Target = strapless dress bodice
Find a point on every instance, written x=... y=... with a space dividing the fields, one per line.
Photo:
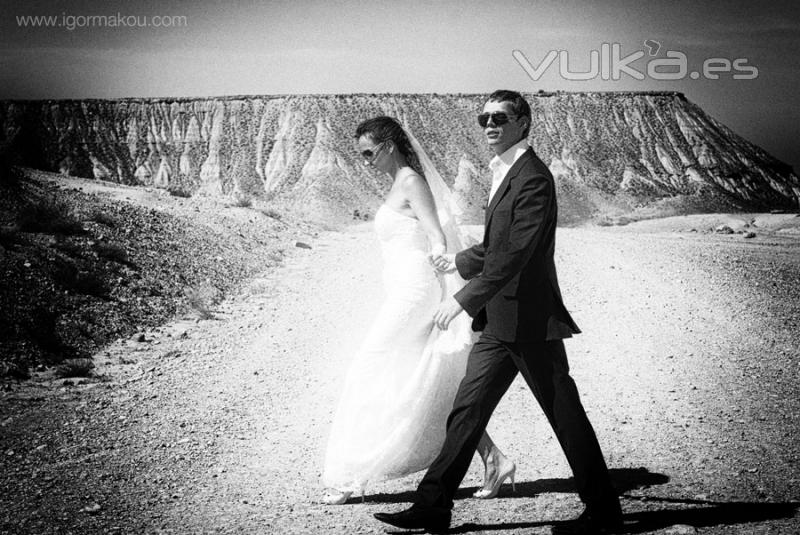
x=406 y=268
x=399 y=232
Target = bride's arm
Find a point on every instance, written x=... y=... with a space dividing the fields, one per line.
x=420 y=199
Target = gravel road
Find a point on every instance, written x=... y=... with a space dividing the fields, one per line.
x=688 y=368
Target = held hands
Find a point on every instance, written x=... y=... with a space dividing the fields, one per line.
x=448 y=309
x=443 y=263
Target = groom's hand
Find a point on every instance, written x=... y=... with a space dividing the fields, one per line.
x=448 y=309
x=443 y=263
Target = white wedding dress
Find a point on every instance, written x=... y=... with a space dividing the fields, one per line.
x=399 y=390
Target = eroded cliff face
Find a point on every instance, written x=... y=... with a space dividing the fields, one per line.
x=605 y=149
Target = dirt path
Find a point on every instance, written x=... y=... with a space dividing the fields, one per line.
x=688 y=367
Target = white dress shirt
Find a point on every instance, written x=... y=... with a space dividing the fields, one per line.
x=502 y=163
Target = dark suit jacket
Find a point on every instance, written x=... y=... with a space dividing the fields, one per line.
x=513 y=291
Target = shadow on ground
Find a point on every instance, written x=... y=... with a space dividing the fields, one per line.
x=696 y=513
x=625 y=480
x=712 y=514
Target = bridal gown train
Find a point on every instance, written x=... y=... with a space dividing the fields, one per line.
x=399 y=389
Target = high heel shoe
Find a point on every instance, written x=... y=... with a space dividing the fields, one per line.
x=505 y=473
x=338 y=497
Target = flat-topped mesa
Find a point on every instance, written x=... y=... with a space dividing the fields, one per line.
x=605 y=148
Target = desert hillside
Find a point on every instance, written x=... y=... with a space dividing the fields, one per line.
x=85 y=262
x=613 y=154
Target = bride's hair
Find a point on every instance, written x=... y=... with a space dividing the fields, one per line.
x=383 y=128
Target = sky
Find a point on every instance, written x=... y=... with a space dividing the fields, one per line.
x=745 y=55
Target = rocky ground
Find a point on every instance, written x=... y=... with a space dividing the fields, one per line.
x=83 y=262
x=688 y=367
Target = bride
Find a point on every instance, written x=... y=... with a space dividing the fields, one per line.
x=400 y=386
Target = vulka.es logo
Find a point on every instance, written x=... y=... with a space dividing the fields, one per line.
x=608 y=63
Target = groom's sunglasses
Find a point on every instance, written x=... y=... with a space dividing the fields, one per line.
x=498 y=118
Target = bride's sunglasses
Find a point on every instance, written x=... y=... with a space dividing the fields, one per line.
x=369 y=155
x=498 y=118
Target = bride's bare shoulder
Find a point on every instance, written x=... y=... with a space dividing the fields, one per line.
x=413 y=181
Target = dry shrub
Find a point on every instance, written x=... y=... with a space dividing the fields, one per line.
x=50 y=216
x=112 y=251
x=82 y=282
x=202 y=299
x=74 y=250
x=75 y=368
x=103 y=218
x=14 y=370
x=179 y=191
x=41 y=327
x=271 y=212
x=276 y=257
x=243 y=201
x=91 y=284
x=259 y=287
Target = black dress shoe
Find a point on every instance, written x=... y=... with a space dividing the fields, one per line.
x=431 y=519
x=592 y=522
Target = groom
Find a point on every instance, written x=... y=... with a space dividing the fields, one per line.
x=514 y=298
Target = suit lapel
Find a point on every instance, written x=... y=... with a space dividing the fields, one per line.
x=501 y=190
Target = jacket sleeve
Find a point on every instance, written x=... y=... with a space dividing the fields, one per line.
x=469 y=262
x=528 y=217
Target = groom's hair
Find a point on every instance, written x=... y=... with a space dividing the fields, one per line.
x=518 y=103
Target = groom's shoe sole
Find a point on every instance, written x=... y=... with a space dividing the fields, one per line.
x=431 y=519
x=587 y=524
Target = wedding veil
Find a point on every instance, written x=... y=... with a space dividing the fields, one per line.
x=459 y=334
x=446 y=206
